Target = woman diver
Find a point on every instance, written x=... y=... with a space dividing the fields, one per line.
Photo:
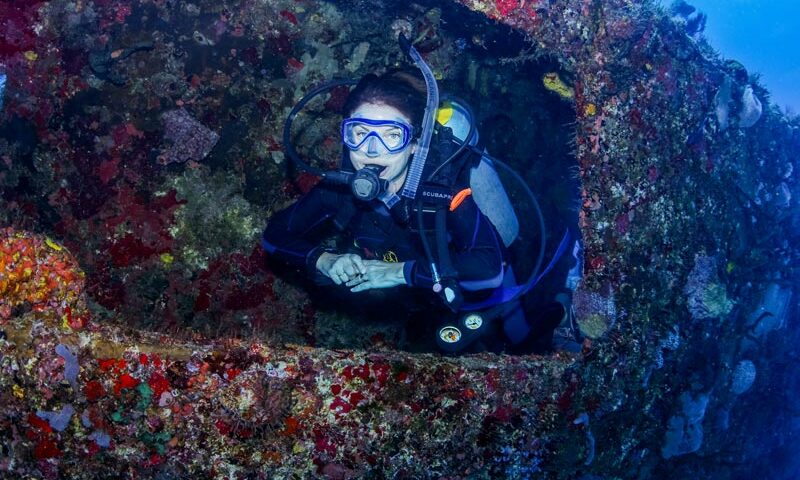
x=380 y=131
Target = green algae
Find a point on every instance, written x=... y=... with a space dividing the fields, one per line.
x=215 y=219
x=147 y=396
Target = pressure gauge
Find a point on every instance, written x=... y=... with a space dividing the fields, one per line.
x=450 y=334
x=473 y=321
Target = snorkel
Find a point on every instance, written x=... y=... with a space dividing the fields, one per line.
x=424 y=141
x=365 y=183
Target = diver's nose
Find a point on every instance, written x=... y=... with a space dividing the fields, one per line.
x=372 y=147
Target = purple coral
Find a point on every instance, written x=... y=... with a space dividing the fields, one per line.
x=59 y=420
x=101 y=438
x=188 y=139
x=71 y=367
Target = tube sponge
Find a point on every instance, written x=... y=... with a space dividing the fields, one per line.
x=71 y=367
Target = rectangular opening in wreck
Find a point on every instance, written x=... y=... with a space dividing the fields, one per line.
x=169 y=156
x=523 y=102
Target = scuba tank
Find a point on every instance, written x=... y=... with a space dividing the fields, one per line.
x=487 y=189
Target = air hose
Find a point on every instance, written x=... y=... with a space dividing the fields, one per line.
x=330 y=175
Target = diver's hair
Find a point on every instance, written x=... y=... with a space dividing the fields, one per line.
x=398 y=88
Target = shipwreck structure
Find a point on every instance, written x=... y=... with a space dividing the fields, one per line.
x=140 y=158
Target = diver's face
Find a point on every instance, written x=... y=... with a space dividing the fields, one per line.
x=374 y=153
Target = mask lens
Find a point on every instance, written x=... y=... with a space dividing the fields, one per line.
x=392 y=137
x=395 y=136
x=354 y=134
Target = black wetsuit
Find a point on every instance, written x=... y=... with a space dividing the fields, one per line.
x=295 y=236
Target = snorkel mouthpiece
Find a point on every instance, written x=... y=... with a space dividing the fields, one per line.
x=366 y=184
x=423 y=144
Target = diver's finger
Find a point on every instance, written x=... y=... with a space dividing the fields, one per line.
x=337 y=269
x=338 y=265
x=359 y=264
x=356 y=280
x=337 y=274
x=361 y=287
x=350 y=270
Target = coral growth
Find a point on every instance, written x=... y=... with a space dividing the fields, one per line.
x=213 y=219
x=743 y=377
x=188 y=139
x=685 y=430
x=705 y=294
x=596 y=313
x=39 y=273
x=159 y=405
x=553 y=83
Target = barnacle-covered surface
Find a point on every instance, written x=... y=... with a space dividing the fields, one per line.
x=80 y=394
x=689 y=217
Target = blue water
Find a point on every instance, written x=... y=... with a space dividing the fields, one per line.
x=763 y=36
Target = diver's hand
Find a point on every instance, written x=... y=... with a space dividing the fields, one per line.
x=341 y=268
x=378 y=275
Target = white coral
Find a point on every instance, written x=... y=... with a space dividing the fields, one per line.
x=751 y=108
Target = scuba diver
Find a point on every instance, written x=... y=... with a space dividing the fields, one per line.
x=398 y=198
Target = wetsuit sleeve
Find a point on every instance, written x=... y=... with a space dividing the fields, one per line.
x=293 y=235
x=474 y=248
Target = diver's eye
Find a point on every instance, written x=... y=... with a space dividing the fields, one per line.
x=394 y=136
x=360 y=134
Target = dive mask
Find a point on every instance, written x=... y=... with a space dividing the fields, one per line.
x=357 y=132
